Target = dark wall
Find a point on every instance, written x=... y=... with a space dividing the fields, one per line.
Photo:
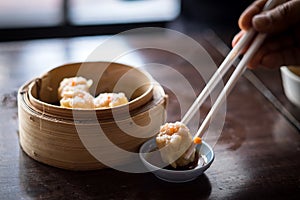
x=214 y=11
x=219 y=15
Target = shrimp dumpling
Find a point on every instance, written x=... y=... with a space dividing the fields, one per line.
x=74 y=83
x=173 y=141
x=77 y=99
x=74 y=93
x=106 y=100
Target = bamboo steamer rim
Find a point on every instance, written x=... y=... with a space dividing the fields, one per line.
x=134 y=105
x=159 y=98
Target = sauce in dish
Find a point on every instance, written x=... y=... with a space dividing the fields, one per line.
x=295 y=70
x=151 y=157
x=156 y=160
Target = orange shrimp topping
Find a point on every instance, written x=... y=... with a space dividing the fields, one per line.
x=73 y=83
x=169 y=129
x=173 y=129
x=108 y=100
x=197 y=140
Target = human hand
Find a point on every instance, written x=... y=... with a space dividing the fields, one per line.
x=282 y=24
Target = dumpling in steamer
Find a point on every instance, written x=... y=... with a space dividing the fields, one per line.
x=106 y=100
x=173 y=140
x=68 y=85
x=77 y=99
x=74 y=93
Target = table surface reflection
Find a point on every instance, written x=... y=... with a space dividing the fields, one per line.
x=257 y=153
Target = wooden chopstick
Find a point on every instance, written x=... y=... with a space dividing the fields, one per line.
x=232 y=80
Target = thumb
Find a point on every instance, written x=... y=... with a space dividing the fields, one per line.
x=279 y=18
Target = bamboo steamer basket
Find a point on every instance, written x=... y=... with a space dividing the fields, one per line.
x=53 y=135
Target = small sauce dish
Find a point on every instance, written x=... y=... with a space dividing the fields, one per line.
x=291 y=83
x=151 y=158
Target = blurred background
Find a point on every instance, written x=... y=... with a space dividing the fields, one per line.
x=33 y=19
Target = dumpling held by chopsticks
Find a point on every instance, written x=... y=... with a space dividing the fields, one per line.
x=173 y=141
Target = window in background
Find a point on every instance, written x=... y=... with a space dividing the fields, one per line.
x=83 y=12
x=30 y=13
x=32 y=19
x=43 y=13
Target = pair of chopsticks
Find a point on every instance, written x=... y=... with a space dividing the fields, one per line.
x=217 y=77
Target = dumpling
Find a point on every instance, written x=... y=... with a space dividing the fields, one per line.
x=74 y=93
x=77 y=99
x=106 y=100
x=74 y=83
x=173 y=140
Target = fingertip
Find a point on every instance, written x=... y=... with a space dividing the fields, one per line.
x=237 y=37
x=245 y=20
x=261 y=22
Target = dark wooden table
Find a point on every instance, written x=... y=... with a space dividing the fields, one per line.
x=257 y=154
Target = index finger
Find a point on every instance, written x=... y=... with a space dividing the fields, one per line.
x=245 y=20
